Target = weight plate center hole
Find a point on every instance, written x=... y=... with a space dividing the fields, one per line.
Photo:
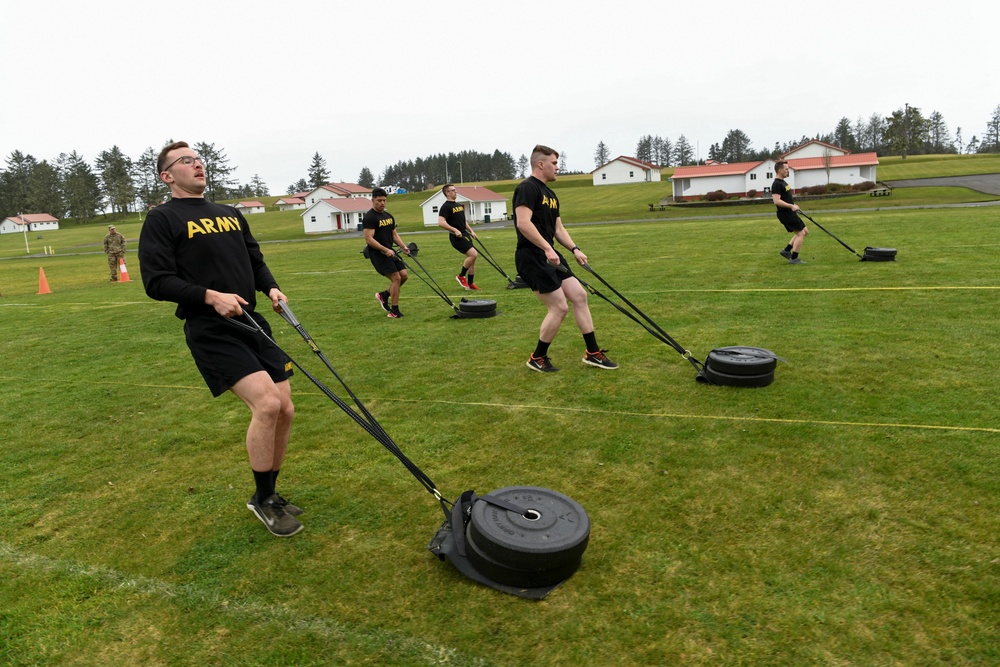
x=532 y=515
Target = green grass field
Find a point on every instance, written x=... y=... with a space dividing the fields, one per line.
x=845 y=515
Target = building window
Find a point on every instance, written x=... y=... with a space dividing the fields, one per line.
x=631 y=174
x=769 y=175
x=487 y=208
x=753 y=177
x=312 y=218
x=434 y=209
x=604 y=177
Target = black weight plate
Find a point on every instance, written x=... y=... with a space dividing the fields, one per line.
x=511 y=575
x=730 y=380
x=879 y=255
x=477 y=305
x=556 y=533
x=742 y=360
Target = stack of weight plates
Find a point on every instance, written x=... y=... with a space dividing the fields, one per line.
x=471 y=308
x=741 y=366
x=879 y=255
x=542 y=547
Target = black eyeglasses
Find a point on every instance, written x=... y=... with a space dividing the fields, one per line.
x=186 y=160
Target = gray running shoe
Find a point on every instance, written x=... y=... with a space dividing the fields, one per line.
x=795 y=260
x=787 y=254
x=541 y=364
x=294 y=510
x=274 y=516
x=600 y=360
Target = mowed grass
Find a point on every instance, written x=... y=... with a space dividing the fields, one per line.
x=844 y=515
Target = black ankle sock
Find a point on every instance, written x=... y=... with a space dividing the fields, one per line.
x=395 y=309
x=788 y=247
x=472 y=279
x=591 y=340
x=265 y=484
x=541 y=349
x=795 y=255
x=464 y=271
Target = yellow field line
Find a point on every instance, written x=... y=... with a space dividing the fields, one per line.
x=595 y=411
x=672 y=415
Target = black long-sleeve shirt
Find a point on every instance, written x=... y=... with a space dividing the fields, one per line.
x=188 y=246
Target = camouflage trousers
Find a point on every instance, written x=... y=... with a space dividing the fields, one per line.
x=113 y=262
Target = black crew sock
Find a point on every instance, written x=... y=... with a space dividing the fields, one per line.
x=541 y=349
x=795 y=255
x=464 y=271
x=472 y=279
x=591 y=340
x=274 y=479
x=395 y=309
x=788 y=248
x=265 y=484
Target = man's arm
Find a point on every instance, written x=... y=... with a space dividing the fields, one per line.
x=780 y=203
x=563 y=237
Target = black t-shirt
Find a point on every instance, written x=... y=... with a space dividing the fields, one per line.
x=454 y=214
x=780 y=188
x=383 y=223
x=544 y=206
x=190 y=245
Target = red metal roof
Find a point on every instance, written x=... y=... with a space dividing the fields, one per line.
x=30 y=218
x=347 y=188
x=478 y=193
x=701 y=170
x=291 y=200
x=809 y=143
x=642 y=164
x=849 y=160
x=250 y=204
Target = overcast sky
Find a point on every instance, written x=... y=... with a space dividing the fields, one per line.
x=371 y=83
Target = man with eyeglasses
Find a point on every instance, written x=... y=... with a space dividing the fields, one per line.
x=202 y=256
x=451 y=217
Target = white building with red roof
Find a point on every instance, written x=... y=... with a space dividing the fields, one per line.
x=250 y=207
x=335 y=214
x=289 y=203
x=812 y=163
x=481 y=204
x=28 y=222
x=625 y=169
x=336 y=191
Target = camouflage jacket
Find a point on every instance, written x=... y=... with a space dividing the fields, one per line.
x=114 y=244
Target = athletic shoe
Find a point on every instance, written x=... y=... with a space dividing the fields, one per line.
x=294 y=510
x=394 y=314
x=383 y=298
x=462 y=281
x=541 y=364
x=795 y=260
x=473 y=286
x=274 y=516
x=787 y=254
x=600 y=360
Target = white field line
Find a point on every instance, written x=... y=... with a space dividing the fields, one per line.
x=255 y=611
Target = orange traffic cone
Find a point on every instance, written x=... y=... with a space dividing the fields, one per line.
x=124 y=272
x=43 y=284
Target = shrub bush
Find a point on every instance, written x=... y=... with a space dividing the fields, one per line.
x=861 y=187
x=718 y=195
x=751 y=193
x=816 y=190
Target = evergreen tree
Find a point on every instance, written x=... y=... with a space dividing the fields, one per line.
x=149 y=189
x=601 y=155
x=45 y=190
x=522 y=166
x=991 y=140
x=318 y=175
x=218 y=173
x=683 y=152
x=365 y=178
x=81 y=188
x=298 y=186
x=116 y=179
x=257 y=187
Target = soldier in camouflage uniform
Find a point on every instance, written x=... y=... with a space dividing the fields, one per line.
x=114 y=247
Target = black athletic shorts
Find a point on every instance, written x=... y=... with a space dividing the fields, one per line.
x=791 y=221
x=537 y=273
x=226 y=353
x=385 y=265
x=460 y=243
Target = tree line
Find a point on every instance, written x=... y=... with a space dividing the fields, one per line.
x=427 y=172
x=905 y=131
x=71 y=188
